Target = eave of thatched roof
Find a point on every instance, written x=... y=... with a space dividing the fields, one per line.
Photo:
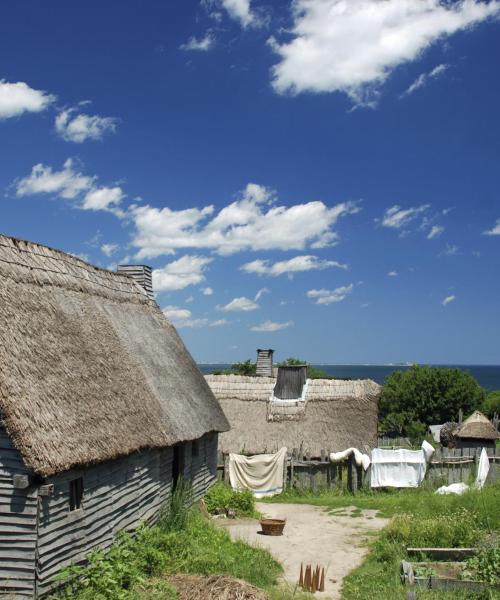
x=477 y=426
x=90 y=369
x=336 y=415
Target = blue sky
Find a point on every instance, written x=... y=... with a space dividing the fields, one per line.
x=316 y=176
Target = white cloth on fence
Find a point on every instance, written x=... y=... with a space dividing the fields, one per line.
x=428 y=450
x=262 y=474
x=483 y=468
x=360 y=458
x=399 y=468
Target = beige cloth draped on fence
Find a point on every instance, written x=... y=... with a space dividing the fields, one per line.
x=262 y=474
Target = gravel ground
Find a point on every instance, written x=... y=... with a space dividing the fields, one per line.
x=336 y=541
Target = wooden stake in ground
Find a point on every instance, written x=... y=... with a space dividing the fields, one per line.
x=322 y=580
x=307 y=578
x=301 y=578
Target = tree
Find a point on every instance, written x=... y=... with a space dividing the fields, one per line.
x=312 y=372
x=491 y=404
x=421 y=396
x=246 y=367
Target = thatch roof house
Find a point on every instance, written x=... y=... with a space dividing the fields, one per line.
x=311 y=415
x=102 y=408
x=476 y=431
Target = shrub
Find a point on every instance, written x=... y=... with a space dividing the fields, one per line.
x=424 y=396
x=491 y=403
x=222 y=497
x=485 y=566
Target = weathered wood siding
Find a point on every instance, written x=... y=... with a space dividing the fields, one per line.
x=200 y=467
x=18 y=510
x=41 y=535
x=117 y=495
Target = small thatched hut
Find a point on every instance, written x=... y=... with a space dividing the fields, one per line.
x=102 y=409
x=477 y=431
x=266 y=413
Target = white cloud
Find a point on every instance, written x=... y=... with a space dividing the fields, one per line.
x=70 y=184
x=422 y=80
x=208 y=291
x=240 y=304
x=353 y=46
x=203 y=44
x=270 y=326
x=397 y=217
x=174 y=313
x=292 y=265
x=260 y=293
x=103 y=198
x=80 y=127
x=189 y=300
x=67 y=183
x=450 y=250
x=18 y=98
x=392 y=274
x=447 y=300
x=180 y=273
x=109 y=249
x=239 y=10
x=330 y=296
x=436 y=231
x=183 y=318
x=252 y=222
x=495 y=230
x=218 y=323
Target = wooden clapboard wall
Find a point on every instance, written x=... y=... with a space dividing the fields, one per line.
x=117 y=495
x=18 y=510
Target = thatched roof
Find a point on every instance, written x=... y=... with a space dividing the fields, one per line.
x=333 y=415
x=90 y=369
x=477 y=426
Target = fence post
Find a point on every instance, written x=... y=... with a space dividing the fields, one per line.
x=351 y=475
x=226 y=468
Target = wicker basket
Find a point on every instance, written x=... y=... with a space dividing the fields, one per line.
x=272 y=526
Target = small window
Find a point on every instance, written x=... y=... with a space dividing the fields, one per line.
x=75 y=493
x=196 y=448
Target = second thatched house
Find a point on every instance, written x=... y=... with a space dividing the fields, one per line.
x=102 y=410
x=477 y=431
x=311 y=415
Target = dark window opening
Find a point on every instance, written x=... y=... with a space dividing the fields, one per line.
x=178 y=464
x=196 y=448
x=75 y=493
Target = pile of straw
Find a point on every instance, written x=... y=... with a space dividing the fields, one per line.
x=193 y=587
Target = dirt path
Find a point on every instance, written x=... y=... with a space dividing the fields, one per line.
x=313 y=536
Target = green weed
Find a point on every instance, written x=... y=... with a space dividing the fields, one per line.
x=222 y=497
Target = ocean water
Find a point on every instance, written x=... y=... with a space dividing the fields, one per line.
x=488 y=376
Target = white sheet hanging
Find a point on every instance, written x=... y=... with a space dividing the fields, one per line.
x=397 y=468
x=262 y=474
x=482 y=469
x=360 y=458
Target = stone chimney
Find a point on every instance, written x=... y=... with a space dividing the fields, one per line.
x=141 y=274
x=265 y=363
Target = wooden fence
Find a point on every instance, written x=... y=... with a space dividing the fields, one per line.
x=446 y=466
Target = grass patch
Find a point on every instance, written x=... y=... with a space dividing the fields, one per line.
x=123 y=573
x=420 y=501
